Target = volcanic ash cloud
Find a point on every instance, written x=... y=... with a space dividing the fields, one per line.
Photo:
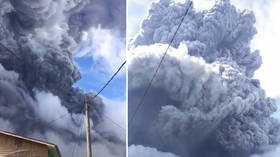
x=204 y=96
x=37 y=39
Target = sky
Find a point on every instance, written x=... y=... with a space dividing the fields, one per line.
x=266 y=40
x=99 y=55
x=94 y=32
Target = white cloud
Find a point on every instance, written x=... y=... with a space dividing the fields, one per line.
x=267 y=41
x=203 y=4
x=99 y=148
x=115 y=117
x=50 y=108
x=106 y=47
x=137 y=11
x=141 y=151
x=275 y=151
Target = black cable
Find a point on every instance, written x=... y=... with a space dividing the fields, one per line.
x=10 y=51
x=79 y=132
x=157 y=69
x=107 y=83
x=54 y=120
x=114 y=122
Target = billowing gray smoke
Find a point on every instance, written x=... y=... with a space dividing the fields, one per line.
x=37 y=39
x=204 y=101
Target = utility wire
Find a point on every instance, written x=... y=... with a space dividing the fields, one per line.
x=157 y=69
x=54 y=120
x=114 y=122
x=105 y=85
x=10 y=51
x=79 y=132
x=105 y=116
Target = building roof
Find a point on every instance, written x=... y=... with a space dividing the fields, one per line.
x=49 y=145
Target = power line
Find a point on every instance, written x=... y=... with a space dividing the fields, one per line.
x=157 y=69
x=114 y=122
x=79 y=132
x=54 y=120
x=105 y=116
x=107 y=83
x=10 y=51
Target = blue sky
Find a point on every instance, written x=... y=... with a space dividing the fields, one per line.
x=99 y=55
x=97 y=68
x=93 y=80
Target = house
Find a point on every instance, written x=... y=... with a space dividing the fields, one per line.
x=12 y=145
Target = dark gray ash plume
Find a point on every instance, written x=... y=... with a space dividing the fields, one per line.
x=37 y=39
x=204 y=100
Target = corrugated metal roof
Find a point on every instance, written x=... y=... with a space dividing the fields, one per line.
x=50 y=145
